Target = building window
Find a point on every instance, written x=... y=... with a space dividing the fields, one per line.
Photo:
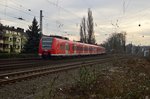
x=1 y=38
x=6 y=38
x=6 y=46
x=14 y=39
x=1 y=45
x=10 y=39
x=14 y=46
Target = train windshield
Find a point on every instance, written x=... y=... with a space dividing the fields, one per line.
x=47 y=42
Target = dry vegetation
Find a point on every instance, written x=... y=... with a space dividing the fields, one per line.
x=120 y=79
x=125 y=79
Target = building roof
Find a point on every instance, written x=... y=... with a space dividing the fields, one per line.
x=18 y=29
x=11 y=28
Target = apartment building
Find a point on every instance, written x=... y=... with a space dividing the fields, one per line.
x=12 y=39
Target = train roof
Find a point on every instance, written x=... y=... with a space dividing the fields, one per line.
x=65 y=38
x=56 y=36
x=80 y=43
x=60 y=37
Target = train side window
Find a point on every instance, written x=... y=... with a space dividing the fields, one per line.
x=85 y=48
x=74 y=47
x=62 y=47
x=81 y=48
x=78 y=48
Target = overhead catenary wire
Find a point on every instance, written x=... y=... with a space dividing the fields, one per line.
x=123 y=18
x=55 y=4
x=21 y=11
x=62 y=8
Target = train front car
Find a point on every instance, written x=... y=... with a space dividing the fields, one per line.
x=45 y=47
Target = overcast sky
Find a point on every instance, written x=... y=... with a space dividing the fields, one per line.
x=63 y=17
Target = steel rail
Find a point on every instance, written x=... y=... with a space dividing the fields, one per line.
x=18 y=60
x=30 y=64
x=23 y=75
x=21 y=65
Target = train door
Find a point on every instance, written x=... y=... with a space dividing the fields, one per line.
x=74 y=49
x=67 y=49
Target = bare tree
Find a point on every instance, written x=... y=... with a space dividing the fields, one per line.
x=116 y=42
x=87 y=29
x=81 y=35
x=90 y=28
x=84 y=29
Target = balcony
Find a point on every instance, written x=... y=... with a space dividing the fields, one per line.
x=17 y=36
x=17 y=50
x=8 y=42
x=7 y=35
x=16 y=43
x=6 y=50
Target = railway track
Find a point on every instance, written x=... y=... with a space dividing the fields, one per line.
x=22 y=64
x=16 y=65
x=12 y=60
x=27 y=74
x=18 y=61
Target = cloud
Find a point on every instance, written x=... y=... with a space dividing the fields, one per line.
x=70 y=12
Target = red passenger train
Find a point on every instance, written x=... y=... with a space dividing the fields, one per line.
x=51 y=46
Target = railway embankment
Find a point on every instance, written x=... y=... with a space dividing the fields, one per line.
x=20 y=84
x=121 y=78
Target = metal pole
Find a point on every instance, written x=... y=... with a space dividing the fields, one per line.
x=41 y=32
